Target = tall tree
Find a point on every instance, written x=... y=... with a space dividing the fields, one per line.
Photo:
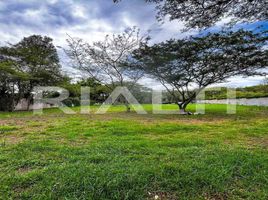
x=8 y=79
x=36 y=57
x=205 y=13
x=105 y=61
x=187 y=66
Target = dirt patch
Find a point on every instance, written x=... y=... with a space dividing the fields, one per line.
x=216 y=196
x=21 y=189
x=24 y=169
x=11 y=139
x=11 y=122
x=257 y=142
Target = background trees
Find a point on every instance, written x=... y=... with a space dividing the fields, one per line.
x=105 y=61
x=98 y=92
x=187 y=66
x=184 y=67
x=34 y=62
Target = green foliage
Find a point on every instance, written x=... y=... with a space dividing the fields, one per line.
x=201 y=61
x=73 y=88
x=72 y=101
x=31 y=62
x=38 y=57
x=204 y=14
x=7 y=69
x=246 y=92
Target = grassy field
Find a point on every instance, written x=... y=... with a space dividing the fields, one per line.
x=122 y=155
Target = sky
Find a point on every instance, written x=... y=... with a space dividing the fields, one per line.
x=90 y=20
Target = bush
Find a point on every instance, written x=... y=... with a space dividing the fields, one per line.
x=75 y=101
x=71 y=102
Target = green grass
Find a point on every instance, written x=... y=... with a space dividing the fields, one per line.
x=122 y=155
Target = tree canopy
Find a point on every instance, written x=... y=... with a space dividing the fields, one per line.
x=187 y=66
x=31 y=62
x=205 y=13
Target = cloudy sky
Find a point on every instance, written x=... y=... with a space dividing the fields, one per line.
x=87 y=19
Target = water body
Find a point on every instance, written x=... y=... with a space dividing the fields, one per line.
x=263 y=101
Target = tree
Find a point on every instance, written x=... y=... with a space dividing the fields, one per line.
x=38 y=57
x=32 y=62
x=98 y=92
x=8 y=79
x=265 y=81
x=142 y=93
x=105 y=61
x=205 y=13
x=187 y=66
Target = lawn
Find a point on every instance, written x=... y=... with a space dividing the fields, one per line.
x=121 y=155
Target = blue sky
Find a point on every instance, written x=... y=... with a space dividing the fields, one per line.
x=90 y=20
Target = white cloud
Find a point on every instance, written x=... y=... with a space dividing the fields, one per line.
x=241 y=82
x=79 y=11
x=89 y=20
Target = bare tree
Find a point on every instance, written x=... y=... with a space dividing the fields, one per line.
x=106 y=61
x=185 y=67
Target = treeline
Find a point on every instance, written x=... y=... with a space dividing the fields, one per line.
x=184 y=67
x=242 y=92
x=99 y=93
x=34 y=61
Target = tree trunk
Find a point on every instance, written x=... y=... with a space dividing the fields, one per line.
x=127 y=107
x=28 y=103
x=126 y=104
x=28 y=98
x=123 y=100
x=12 y=98
x=182 y=111
x=182 y=107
